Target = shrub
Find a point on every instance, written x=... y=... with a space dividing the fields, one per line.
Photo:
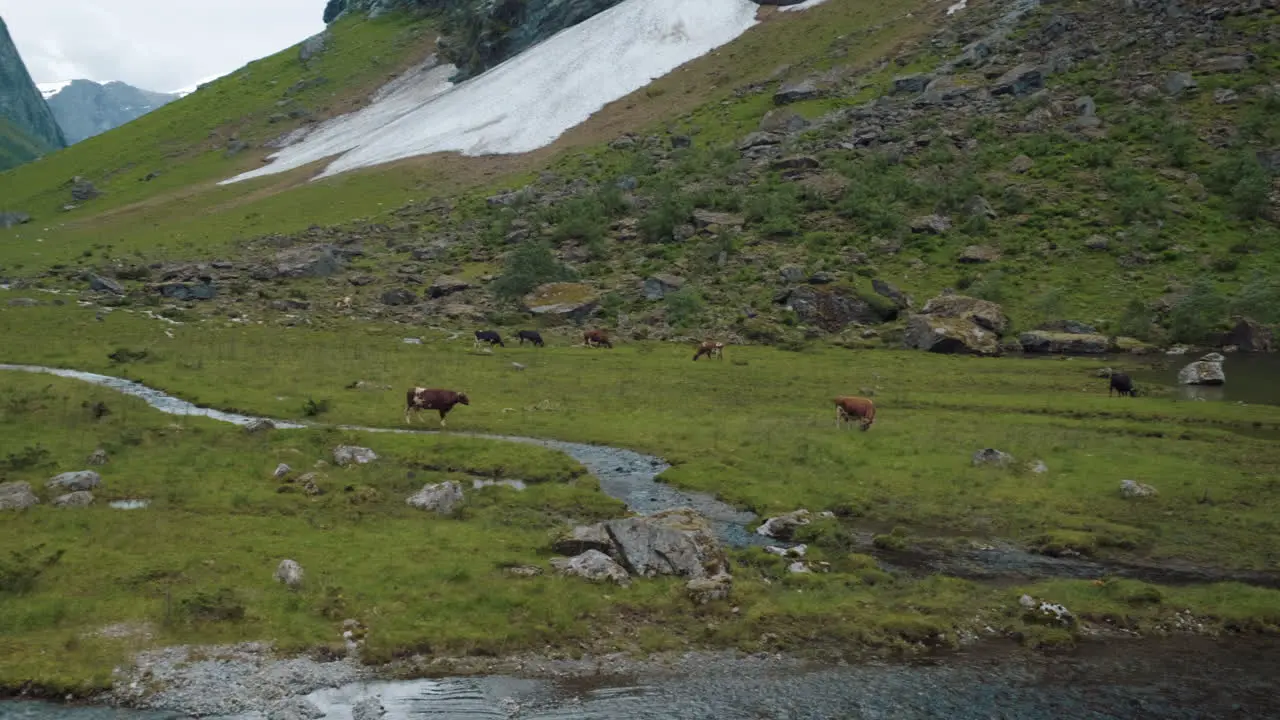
x=1198 y=312
x=20 y=571
x=1243 y=182
x=684 y=306
x=314 y=408
x=28 y=457
x=1136 y=320
x=1259 y=298
x=660 y=223
x=990 y=287
x=528 y=266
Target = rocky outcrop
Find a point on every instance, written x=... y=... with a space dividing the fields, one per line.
x=353 y=455
x=85 y=108
x=704 y=590
x=582 y=539
x=835 y=309
x=592 y=565
x=991 y=457
x=658 y=286
x=1249 y=336
x=957 y=324
x=74 y=481
x=1206 y=371
x=290 y=573
x=1043 y=341
x=78 y=499
x=443 y=498
x=571 y=301
x=1133 y=489
x=672 y=542
x=783 y=527
x=17 y=496
x=27 y=126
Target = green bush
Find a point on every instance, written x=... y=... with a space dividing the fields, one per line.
x=684 y=306
x=1259 y=298
x=20 y=571
x=1136 y=321
x=1197 y=313
x=528 y=266
x=1243 y=182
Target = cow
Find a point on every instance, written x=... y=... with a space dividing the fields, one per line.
x=532 y=336
x=711 y=350
x=849 y=407
x=596 y=338
x=431 y=399
x=487 y=337
x=1122 y=384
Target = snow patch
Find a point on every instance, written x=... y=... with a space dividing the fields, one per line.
x=528 y=101
x=801 y=6
x=957 y=7
x=49 y=89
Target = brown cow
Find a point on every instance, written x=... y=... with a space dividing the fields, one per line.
x=429 y=399
x=711 y=350
x=596 y=338
x=848 y=407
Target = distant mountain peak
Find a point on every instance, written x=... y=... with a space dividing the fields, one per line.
x=84 y=108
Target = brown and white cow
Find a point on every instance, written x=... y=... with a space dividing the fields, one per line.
x=711 y=350
x=596 y=338
x=849 y=407
x=431 y=399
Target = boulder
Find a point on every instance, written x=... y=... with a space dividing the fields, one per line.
x=13 y=219
x=791 y=273
x=1202 y=373
x=832 y=310
x=796 y=162
x=709 y=589
x=1249 y=336
x=1225 y=64
x=1099 y=243
x=1131 y=489
x=572 y=301
x=1225 y=96
x=188 y=291
x=1021 y=80
x=983 y=313
x=931 y=224
x=716 y=221
x=978 y=254
x=783 y=527
x=1043 y=341
x=98 y=457
x=594 y=566
x=1021 y=164
x=950 y=336
x=281 y=471
x=98 y=283
x=17 y=496
x=582 y=539
x=258 y=426
x=294 y=708
x=313 y=46
x=758 y=140
x=80 y=498
x=311 y=485
x=398 y=297
x=911 y=83
x=1178 y=83
x=368 y=709
x=82 y=190
x=990 y=457
x=352 y=455
x=657 y=287
x=979 y=207
x=797 y=551
x=672 y=542
x=290 y=573
x=443 y=498
x=795 y=92
x=446 y=285
x=307 y=262
x=73 y=481
x=781 y=120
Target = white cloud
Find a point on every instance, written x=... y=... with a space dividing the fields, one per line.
x=159 y=45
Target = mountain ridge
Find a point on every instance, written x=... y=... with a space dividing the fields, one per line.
x=85 y=108
x=31 y=129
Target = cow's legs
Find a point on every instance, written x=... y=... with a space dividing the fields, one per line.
x=442 y=414
x=839 y=416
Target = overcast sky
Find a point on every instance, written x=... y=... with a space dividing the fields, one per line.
x=160 y=45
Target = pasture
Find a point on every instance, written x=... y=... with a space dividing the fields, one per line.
x=757 y=429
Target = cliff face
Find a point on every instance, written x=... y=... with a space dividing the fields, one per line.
x=84 y=108
x=27 y=126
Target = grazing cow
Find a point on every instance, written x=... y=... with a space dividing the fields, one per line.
x=1122 y=384
x=532 y=336
x=429 y=399
x=848 y=407
x=487 y=337
x=711 y=350
x=596 y=338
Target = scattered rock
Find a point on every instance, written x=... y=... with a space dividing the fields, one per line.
x=797 y=551
x=1086 y=107
x=592 y=565
x=368 y=709
x=658 y=286
x=313 y=46
x=703 y=590
x=79 y=480
x=1225 y=64
x=832 y=310
x=979 y=207
x=446 y=285
x=978 y=254
x=82 y=190
x=798 y=568
x=1038 y=467
x=1132 y=489
x=294 y=708
x=716 y=221
x=1021 y=80
x=792 y=273
x=259 y=425
x=350 y=454
x=398 y=297
x=290 y=573
x=1046 y=613
x=523 y=571
x=319 y=262
x=911 y=83
x=992 y=457
x=796 y=162
x=443 y=498
x=98 y=457
x=1225 y=96
x=80 y=498
x=759 y=140
x=1042 y=341
x=1249 y=336
x=281 y=471
x=1098 y=243
x=1068 y=326
x=1203 y=372
x=1021 y=164
x=571 y=301
x=783 y=527
x=672 y=542
x=13 y=219
x=98 y=283
x=311 y=485
x=1178 y=83
x=680 y=142
x=932 y=224
x=188 y=291
x=796 y=92
x=17 y=496
x=781 y=120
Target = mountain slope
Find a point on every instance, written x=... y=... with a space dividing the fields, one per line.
x=31 y=130
x=84 y=108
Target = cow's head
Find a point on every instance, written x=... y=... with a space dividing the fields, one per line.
x=866 y=424
x=463 y=399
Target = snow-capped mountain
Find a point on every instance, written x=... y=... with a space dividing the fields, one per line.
x=84 y=108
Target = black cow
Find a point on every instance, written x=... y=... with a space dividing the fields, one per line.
x=488 y=337
x=532 y=336
x=1122 y=384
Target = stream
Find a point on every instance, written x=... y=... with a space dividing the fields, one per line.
x=1170 y=678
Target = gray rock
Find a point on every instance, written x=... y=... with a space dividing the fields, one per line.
x=281 y=471
x=311 y=485
x=1021 y=164
x=1178 y=83
x=797 y=551
x=344 y=455
x=1131 y=489
x=368 y=709
x=1225 y=96
x=680 y=142
x=313 y=46
x=258 y=426
x=1042 y=341
x=189 y=291
x=290 y=573
x=594 y=566
x=1021 y=80
x=1042 y=612
x=798 y=568
x=1202 y=373
x=523 y=571
x=584 y=538
x=931 y=224
x=235 y=146
x=796 y=162
x=1086 y=107
x=571 y=301
x=78 y=499
x=443 y=498
x=781 y=120
x=17 y=496
x=294 y=708
x=79 y=480
x=98 y=457
x=1146 y=92
x=957 y=324
x=672 y=542
x=792 y=273
x=911 y=83
x=759 y=139
x=783 y=527
x=82 y=190
x=704 y=590
x=992 y=457
x=447 y=285
x=657 y=287
x=318 y=262
x=1225 y=64
x=821 y=277
x=1098 y=243
x=886 y=289
x=1249 y=336
x=978 y=254
x=398 y=297
x=978 y=206
x=97 y=283
x=1039 y=468
x=832 y=310
x=713 y=221
x=13 y=219
x=796 y=92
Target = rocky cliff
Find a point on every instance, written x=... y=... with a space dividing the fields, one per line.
x=84 y=108
x=27 y=126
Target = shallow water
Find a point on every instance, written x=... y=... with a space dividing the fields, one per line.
x=1251 y=378
x=129 y=504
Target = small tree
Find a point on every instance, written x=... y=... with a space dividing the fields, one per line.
x=527 y=267
x=684 y=306
x=1259 y=298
